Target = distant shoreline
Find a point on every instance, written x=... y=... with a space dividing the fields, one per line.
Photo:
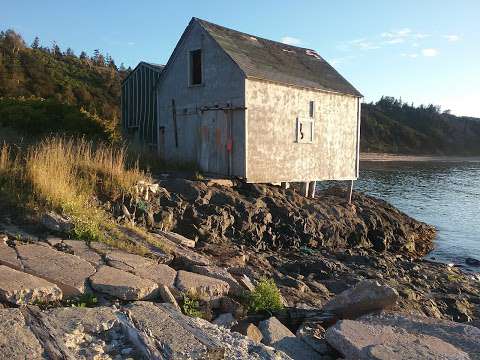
x=385 y=157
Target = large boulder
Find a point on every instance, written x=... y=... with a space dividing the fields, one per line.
x=123 y=285
x=20 y=288
x=205 y=287
x=367 y=296
x=167 y=334
x=221 y=274
x=399 y=336
x=68 y=272
x=277 y=335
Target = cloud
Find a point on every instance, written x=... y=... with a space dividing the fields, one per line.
x=396 y=34
x=452 y=38
x=341 y=60
x=429 y=52
x=411 y=55
x=289 y=40
x=395 y=41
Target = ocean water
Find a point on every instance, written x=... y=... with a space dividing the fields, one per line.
x=446 y=195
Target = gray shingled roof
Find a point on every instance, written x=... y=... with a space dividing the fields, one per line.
x=278 y=62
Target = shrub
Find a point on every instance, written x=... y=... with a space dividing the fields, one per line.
x=265 y=298
x=190 y=306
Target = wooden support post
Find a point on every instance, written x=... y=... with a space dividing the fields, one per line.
x=285 y=185
x=350 y=191
x=304 y=189
x=311 y=189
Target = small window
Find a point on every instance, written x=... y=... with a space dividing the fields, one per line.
x=305 y=130
x=196 y=67
x=311 y=109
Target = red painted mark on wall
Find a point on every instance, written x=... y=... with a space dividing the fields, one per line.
x=218 y=137
x=229 y=145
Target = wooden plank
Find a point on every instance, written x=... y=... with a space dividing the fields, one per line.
x=174 y=118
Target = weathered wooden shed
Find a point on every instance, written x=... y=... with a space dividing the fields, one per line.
x=240 y=105
x=139 y=104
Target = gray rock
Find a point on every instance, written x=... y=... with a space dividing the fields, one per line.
x=55 y=222
x=19 y=234
x=367 y=296
x=205 y=287
x=8 y=257
x=126 y=261
x=399 y=336
x=83 y=251
x=167 y=296
x=313 y=335
x=277 y=335
x=184 y=258
x=160 y=274
x=246 y=283
x=225 y=320
x=20 y=288
x=68 y=272
x=249 y=330
x=177 y=238
x=221 y=274
x=123 y=285
x=165 y=333
x=17 y=341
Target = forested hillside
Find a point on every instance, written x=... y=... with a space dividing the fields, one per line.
x=77 y=88
x=391 y=126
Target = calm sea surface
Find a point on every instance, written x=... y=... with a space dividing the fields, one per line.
x=446 y=195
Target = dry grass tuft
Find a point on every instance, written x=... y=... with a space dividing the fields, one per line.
x=70 y=176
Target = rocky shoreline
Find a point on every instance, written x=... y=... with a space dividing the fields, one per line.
x=342 y=270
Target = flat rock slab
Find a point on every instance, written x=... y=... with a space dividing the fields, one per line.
x=83 y=251
x=17 y=341
x=277 y=335
x=171 y=335
x=365 y=297
x=68 y=272
x=397 y=336
x=8 y=256
x=205 y=287
x=184 y=257
x=160 y=274
x=221 y=274
x=177 y=238
x=123 y=285
x=20 y=288
x=125 y=261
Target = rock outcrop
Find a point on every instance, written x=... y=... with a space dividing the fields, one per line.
x=399 y=336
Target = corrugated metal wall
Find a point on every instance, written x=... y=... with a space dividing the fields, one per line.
x=139 y=105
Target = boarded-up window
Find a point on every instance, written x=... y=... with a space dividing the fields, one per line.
x=305 y=130
x=196 y=67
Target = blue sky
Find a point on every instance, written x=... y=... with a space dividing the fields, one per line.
x=423 y=51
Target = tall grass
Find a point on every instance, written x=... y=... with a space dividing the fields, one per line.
x=70 y=176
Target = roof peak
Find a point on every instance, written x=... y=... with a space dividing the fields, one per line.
x=200 y=21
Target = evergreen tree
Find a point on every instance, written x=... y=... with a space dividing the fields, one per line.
x=69 y=52
x=36 y=43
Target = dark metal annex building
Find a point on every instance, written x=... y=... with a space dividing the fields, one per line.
x=139 y=104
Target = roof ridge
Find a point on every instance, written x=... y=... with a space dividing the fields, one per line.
x=255 y=36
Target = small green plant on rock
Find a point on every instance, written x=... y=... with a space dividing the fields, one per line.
x=265 y=298
x=190 y=306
